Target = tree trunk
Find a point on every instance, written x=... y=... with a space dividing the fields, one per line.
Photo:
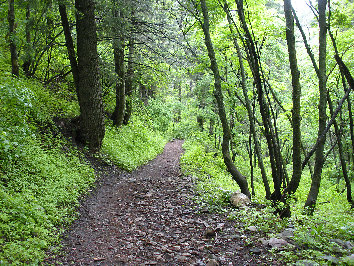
x=118 y=114
x=341 y=153
x=278 y=171
x=12 y=35
x=69 y=45
x=351 y=121
x=129 y=83
x=248 y=106
x=296 y=117
x=90 y=95
x=236 y=175
x=28 y=57
x=319 y=160
x=143 y=93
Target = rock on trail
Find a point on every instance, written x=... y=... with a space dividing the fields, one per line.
x=148 y=217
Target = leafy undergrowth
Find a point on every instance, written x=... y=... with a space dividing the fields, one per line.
x=42 y=175
x=315 y=238
x=38 y=194
x=132 y=145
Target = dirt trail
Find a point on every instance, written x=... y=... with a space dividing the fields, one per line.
x=147 y=217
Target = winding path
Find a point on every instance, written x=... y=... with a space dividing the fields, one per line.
x=147 y=217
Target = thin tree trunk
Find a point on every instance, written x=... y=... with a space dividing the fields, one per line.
x=129 y=83
x=322 y=117
x=90 y=95
x=118 y=114
x=296 y=118
x=248 y=106
x=341 y=63
x=235 y=173
x=12 y=35
x=274 y=151
x=28 y=58
x=346 y=73
x=350 y=113
x=341 y=153
x=143 y=93
x=69 y=45
x=250 y=154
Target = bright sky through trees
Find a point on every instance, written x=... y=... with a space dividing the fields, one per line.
x=303 y=11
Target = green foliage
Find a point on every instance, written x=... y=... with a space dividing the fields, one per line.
x=38 y=194
x=161 y=113
x=132 y=145
x=202 y=161
x=333 y=218
x=41 y=176
x=25 y=105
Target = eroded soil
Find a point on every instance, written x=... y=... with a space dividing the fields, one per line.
x=148 y=217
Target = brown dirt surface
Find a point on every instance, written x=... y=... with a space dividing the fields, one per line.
x=149 y=217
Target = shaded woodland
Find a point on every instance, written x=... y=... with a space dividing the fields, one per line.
x=259 y=90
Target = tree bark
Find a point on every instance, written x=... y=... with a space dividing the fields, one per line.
x=248 y=106
x=129 y=83
x=90 y=95
x=28 y=57
x=278 y=171
x=322 y=117
x=12 y=35
x=69 y=45
x=143 y=93
x=296 y=94
x=341 y=153
x=118 y=114
x=235 y=173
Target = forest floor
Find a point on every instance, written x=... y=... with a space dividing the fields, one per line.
x=149 y=217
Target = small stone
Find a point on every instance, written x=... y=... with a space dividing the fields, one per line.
x=238 y=248
x=98 y=259
x=219 y=227
x=263 y=241
x=343 y=244
x=176 y=248
x=277 y=243
x=252 y=228
x=239 y=199
x=182 y=258
x=200 y=263
x=256 y=251
x=349 y=245
x=287 y=234
x=151 y=263
x=213 y=262
x=306 y=263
